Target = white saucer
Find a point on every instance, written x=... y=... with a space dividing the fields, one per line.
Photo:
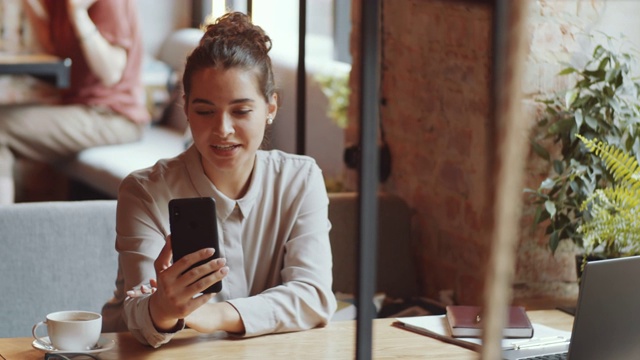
x=102 y=345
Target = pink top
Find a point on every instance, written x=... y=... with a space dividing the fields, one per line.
x=118 y=23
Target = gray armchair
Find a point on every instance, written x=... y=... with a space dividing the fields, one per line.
x=55 y=256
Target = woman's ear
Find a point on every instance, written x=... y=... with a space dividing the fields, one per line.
x=272 y=106
x=185 y=106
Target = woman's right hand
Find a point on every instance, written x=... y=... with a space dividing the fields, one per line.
x=175 y=298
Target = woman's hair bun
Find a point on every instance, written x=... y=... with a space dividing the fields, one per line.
x=233 y=41
x=235 y=29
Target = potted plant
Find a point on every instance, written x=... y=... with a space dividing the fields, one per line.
x=602 y=103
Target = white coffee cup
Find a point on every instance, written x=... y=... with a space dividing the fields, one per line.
x=71 y=330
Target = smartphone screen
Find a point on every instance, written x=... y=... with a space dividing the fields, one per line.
x=194 y=226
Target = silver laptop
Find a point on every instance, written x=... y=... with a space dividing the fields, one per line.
x=607 y=319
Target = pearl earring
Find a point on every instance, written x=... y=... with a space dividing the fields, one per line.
x=269 y=120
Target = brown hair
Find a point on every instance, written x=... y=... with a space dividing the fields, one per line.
x=233 y=41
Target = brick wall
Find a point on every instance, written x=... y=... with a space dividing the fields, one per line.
x=435 y=113
x=435 y=89
x=435 y=93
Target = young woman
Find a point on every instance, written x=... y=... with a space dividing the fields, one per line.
x=272 y=210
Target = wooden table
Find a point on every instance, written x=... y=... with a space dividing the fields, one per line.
x=43 y=66
x=335 y=341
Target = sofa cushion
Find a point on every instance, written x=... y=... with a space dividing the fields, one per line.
x=104 y=167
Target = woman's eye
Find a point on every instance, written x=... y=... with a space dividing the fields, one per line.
x=242 y=111
x=204 y=112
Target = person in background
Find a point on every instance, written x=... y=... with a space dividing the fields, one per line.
x=104 y=103
x=272 y=210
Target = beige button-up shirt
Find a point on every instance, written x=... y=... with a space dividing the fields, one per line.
x=275 y=240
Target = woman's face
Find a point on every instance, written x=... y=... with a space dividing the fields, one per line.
x=227 y=116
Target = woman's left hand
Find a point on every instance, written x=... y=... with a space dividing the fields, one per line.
x=145 y=289
x=212 y=317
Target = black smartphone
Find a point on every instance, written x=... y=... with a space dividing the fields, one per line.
x=193 y=227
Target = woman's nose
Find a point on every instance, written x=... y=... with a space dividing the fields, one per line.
x=223 y=127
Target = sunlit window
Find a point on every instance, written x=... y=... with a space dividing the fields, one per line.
x=218 y=8
x=327 y=31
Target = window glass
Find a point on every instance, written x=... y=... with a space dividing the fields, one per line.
x=328 y=24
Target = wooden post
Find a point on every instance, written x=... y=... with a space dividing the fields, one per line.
x=510 y=126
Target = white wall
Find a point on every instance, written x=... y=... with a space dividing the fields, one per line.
x=620 y=18
x=159 y=18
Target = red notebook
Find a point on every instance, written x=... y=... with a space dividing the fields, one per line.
x=466 y=321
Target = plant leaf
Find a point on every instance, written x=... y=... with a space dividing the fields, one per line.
x=558 y=166
x=561 y=126
x=547 y=184
x=578 y=117
x=540 y=151
x=554 y=240
x=591 y=121
x=550 y=206
x=570 y=97
x=566 y=71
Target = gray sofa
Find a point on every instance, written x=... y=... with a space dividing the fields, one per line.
x=60 y=255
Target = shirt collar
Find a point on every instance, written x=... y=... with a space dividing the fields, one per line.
x=205 y=188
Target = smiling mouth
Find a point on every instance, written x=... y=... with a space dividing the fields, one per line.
x=225 y=147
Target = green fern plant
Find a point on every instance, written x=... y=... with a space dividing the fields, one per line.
x=612 y=214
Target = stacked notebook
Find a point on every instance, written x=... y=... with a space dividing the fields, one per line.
x=467 y=321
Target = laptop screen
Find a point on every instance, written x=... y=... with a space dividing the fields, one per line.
x=607 y=321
